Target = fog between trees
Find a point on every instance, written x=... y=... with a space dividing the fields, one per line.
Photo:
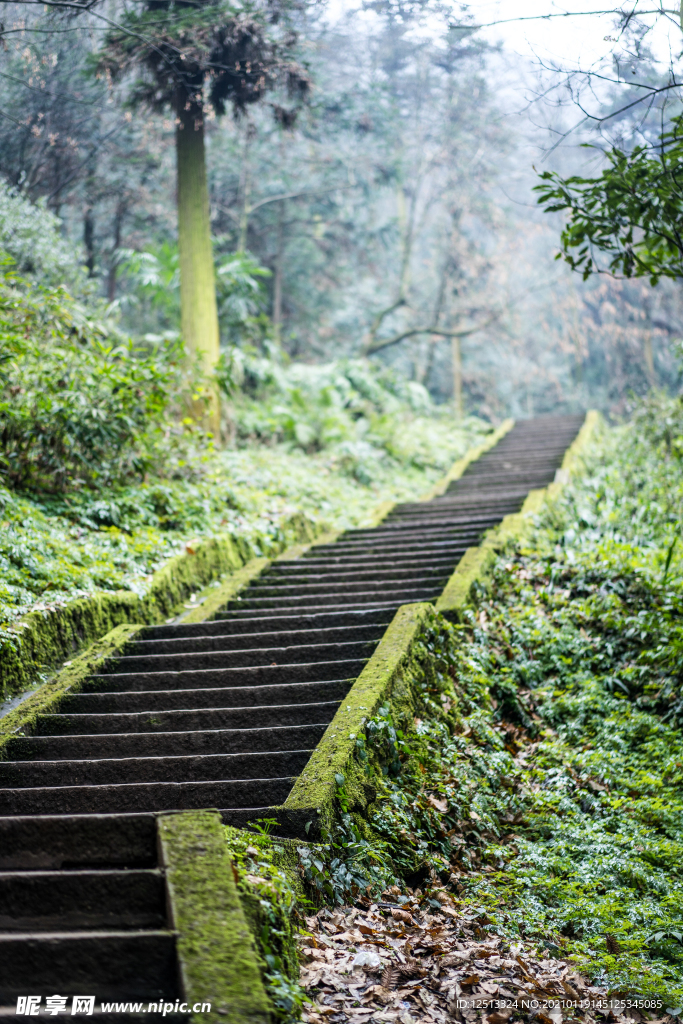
x=391 y=211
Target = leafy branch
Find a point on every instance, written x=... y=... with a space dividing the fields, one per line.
x=633 y=212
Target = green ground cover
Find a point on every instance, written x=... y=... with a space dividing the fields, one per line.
x=104 y=475
x=542 y=778
x=53 y=549
x=56 y=547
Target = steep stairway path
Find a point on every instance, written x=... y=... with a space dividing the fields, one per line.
x=224 y=714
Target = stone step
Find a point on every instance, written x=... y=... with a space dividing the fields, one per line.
x=124 y=770
x=69 y=842
x=152 y=701
x=245 y=641
x=235 y=657
x=237 y=613
x=160 y=744
x=109 y=964
x=343 y=575
x=192 y=720
x=437 y=556
x=268 y=586
x=82 y=899
x=195 y=679
x=144 y=796
x=312 y=620
x=319 y=598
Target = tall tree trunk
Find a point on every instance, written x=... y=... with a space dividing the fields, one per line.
x=198 y=311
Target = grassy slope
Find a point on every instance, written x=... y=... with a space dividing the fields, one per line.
x=52 y=551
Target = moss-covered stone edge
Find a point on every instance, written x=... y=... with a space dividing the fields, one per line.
x=42 y=640
x=21 y=721
x=217 y=956
x=219 y=596
x=475 y=565
x=459 y=467
x=315 y=790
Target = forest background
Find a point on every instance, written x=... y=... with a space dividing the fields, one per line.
x=397 y=200
x=385 y=279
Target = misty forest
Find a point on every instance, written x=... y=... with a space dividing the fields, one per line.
x=314 y=314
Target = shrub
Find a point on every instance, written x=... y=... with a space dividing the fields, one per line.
x=32 y=236
x=79 y=402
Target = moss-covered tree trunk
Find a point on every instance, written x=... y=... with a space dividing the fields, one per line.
x=198 y=311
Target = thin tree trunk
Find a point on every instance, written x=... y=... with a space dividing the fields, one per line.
x=245 y=188
x=111 y=279
x=457 y=377
x=277 y=283
x=89 y=239
x=198 y=311
x=649 y=358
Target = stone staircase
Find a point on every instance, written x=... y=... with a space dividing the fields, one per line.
x=220 y=714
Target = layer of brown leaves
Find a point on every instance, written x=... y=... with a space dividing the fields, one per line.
x=401 y=959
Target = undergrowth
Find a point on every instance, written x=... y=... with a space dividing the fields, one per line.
x=542 y=775
x=275 y=909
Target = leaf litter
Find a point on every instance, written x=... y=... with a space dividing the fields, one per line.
x=415 y=959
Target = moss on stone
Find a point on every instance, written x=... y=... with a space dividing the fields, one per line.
x=42 y=640
x=219 y=596
x=216 y=952
x=382 y=678
x=473 y=568
x=46 y=699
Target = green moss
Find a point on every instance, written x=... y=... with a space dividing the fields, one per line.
x=216 y=951
x=218 y=597
x=382 y=678
x=21 y=721
x=43 y=639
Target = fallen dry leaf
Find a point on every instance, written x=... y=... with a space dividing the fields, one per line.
x=400 y=960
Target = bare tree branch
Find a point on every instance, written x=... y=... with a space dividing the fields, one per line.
x=297 y=195
x=383 y=343
x=560 y=14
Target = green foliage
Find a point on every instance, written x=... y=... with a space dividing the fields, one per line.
x=632 y=212
x=80 y=403
x=276 y=916
x=153 y=283
x=32 y=236
x=153 y=280
x=347 y=862
x=366 y=417
x=241 y=298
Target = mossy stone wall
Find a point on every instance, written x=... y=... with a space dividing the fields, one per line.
x=42 y=640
